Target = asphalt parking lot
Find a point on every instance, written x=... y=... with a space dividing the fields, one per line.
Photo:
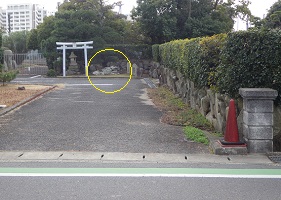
x=77 y=117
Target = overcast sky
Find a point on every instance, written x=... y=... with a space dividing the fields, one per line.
x=258 y=7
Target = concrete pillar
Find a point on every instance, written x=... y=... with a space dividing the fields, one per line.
x=64 y=62
x=128 y=68
x=135 y=70
x=258 y=118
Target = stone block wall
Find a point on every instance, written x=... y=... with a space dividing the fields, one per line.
x=214 y=106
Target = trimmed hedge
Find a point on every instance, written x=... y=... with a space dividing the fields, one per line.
x=227 y=62
x=155 y=53
x=250 y=59
x=195 y=58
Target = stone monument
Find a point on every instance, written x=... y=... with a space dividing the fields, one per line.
x=73 y=66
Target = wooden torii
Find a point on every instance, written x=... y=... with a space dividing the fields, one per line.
x=74 y=45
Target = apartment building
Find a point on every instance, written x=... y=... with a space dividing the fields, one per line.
x=2 y=19
x=20 y=17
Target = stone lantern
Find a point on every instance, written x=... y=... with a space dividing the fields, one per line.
x=73 y=67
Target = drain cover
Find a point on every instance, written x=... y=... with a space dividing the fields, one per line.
x=275 y=158
x=149 y=83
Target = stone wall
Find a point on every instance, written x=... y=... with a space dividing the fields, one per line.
x=214 y=106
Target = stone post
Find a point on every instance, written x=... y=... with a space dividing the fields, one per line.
x=258 y=118
x=135 y=70
x=128 y=68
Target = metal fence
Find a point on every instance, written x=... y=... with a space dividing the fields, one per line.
x=28 y=63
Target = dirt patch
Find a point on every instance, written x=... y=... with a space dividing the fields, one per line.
x=10 y=95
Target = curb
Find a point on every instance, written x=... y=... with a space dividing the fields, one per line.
x=217 y=149
x=28 y=99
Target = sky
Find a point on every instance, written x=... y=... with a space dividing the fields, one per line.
x=258 y=7
x=51 y=5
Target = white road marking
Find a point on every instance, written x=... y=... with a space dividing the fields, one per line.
x=36 y=76
x=89 y=84
x=140 y=175
x=83 y=101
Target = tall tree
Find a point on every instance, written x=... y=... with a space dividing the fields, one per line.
x=16 y=41
x=85 y=20
x=32 y=40
x=157 y=19
x=165 y=20
x=273 y=17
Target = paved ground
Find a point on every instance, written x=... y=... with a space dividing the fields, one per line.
x=84 y=125
x=79 y=118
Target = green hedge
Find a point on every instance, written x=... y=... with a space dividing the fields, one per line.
x=227 y=62
x=250 y=59
x=155 y=53
x=195 y=58
x=211 y=48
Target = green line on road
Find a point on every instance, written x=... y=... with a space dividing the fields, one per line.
x=141 y=171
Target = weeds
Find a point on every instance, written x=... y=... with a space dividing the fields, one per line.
x=196 y=135
x=176 y=112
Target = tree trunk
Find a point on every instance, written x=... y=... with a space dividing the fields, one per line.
x=189 y=9
x=216 y=4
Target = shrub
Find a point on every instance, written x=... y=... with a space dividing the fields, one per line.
x=250 y=59
x=210 y=59
x=155 y=53
x=7 y=76
x=193 y=59
x=51 y=73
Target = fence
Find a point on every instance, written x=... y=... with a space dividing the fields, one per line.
x=28 y=63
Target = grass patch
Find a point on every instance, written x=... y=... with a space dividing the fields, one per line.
x=176 y=112
x=195 y=134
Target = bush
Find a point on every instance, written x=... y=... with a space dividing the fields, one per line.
x=51 y=73
x=155 y=53
x=7 y=76
x=250 y=59
x=227 y=62
x=194 y=59
x=210 y=59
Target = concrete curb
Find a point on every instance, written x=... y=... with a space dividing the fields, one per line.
x=6 y=110
x=82 y=156
x=217 y=149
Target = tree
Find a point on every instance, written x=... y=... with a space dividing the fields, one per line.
x=16 y=41
x=32 y=40
x=85 y=20
x=273 y=17
x=157 y=19
x=166 y=20
x=5 y=75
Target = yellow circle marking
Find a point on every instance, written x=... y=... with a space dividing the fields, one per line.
x=115 y=91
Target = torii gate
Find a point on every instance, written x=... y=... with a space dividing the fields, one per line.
x=74 y=45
